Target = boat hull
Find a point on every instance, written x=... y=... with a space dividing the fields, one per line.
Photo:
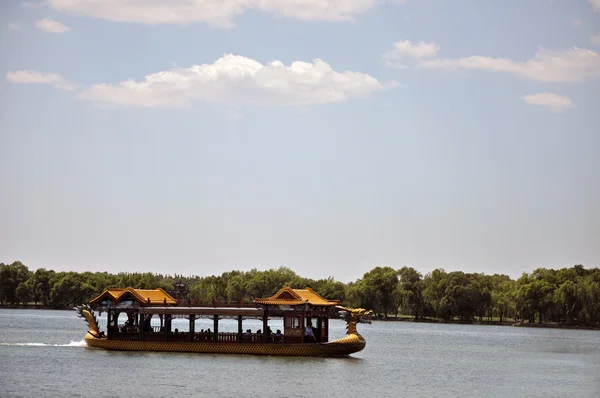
x=345 y=346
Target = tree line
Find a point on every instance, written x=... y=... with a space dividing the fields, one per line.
x=568 y=296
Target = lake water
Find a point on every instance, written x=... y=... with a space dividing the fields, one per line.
x=42 y=354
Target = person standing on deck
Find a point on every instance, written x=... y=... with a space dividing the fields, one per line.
x=308 y=333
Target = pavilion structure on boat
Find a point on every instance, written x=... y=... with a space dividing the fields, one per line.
x=130 y=301
x=299 y=308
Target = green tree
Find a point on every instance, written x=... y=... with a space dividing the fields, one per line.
x=412 y=291
x=68 y=289
x=381 y=283
x=436 y=283
x=10 y=277
x=236 y=288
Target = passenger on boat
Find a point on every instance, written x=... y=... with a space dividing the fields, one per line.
x=128 y=328
x=308 y=333
x=248 y=335
x=278 y=336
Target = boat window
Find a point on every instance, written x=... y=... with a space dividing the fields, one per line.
x=292 y=322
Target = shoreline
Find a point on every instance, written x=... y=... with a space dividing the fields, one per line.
x=493 y=323
x=389 y=319
x=32 y=307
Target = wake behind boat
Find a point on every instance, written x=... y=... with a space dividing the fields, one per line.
x=305 y=324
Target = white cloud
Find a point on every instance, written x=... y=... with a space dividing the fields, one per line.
x=237 y=79
x=595 y=4
x=218 y=13
x=14 y=26
x=50 y=25
x=554 y=102
x=34 y=77
x=405 y=50
x=595 y=39
x=570 y=65
x=27 y=4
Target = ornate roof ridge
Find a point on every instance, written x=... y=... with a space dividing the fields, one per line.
x=290 y=296
x=117 y=294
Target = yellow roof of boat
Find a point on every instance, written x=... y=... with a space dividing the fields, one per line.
x=144 y=296
x=289 y=296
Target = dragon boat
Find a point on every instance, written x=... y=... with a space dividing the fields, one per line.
x=305 y=324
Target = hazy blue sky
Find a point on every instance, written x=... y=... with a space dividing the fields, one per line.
x=329 y=136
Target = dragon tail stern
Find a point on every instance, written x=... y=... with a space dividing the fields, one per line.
x=86 y=312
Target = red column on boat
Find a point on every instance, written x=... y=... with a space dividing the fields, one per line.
x=265 y=324
x=216 y=327
x=302 y=326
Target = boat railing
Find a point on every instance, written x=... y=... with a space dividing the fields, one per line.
x=157 y=333
x=227 y=337
x=253 y=338
x=222 y=337
x=216 y=303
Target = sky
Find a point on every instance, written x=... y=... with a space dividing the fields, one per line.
x=329 y=136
